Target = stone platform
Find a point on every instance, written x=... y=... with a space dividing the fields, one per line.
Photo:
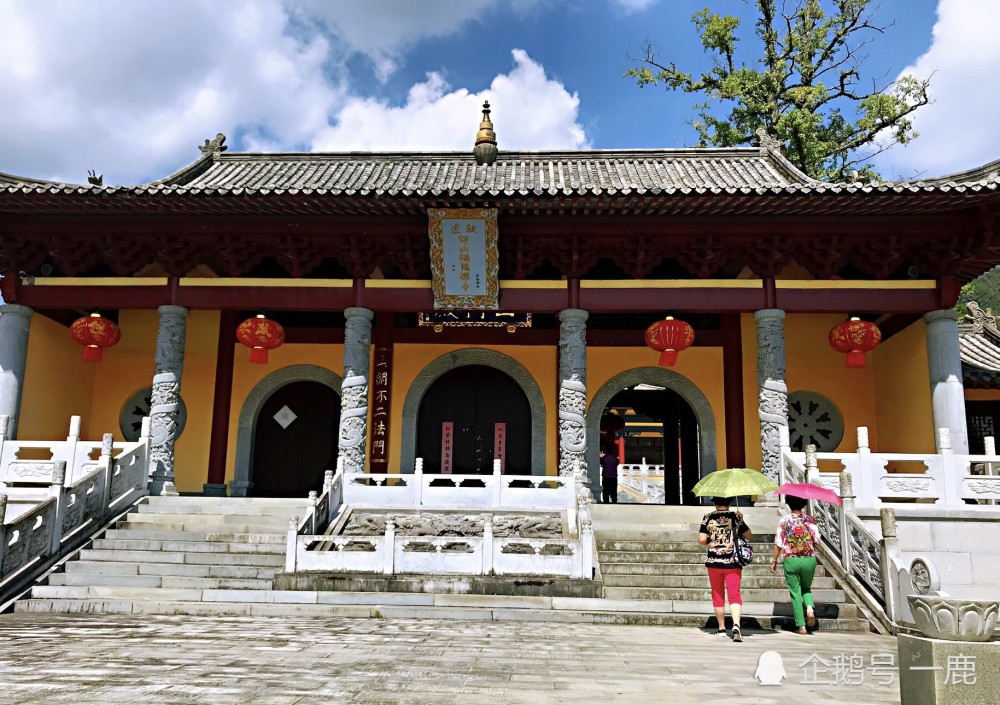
x=171 y=660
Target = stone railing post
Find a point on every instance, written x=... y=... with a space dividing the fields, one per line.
x=328 y=491
x=949 y=482
x=354 y=390
x=165 y=401
x=312 y=502
x=497 y=481
x=488 y=546
x=586 y=548
x=15 y=324
x=812 y=465
x=56 y=491
x=291 y=544
x=418 y=482
x=773 y=392
x=4 y=539
x=572 y=389
x=847 y=496
x=389 y=552
x=890 y=559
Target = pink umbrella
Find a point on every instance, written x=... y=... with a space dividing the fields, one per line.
x=807 y=490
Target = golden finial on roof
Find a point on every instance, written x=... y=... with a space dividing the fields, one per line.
x=485 y=150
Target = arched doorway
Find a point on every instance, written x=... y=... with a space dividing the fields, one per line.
x=654 y=433
x=461 y=358
x=664 y=379
x=473 y=413
x=261 y=439
x=295 y=440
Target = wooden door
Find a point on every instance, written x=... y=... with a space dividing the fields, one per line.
x=475 y=398
x=295 y=440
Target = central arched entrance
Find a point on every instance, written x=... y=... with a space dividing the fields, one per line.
x=470 y=415
x=696 y=458
x=654 y=433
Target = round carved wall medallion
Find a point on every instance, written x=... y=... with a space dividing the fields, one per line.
x=136 y=407
x=814 y=419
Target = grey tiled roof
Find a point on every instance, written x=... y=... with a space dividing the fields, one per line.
x=598 y=172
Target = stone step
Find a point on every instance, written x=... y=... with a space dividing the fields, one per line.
x=612 y=557
x=280 y=523
x=689 y=546
x=195 y=536
x=695 y=581
x=765 y=608
x=756 y=595
x=157 y=581
x=176 y=570
x=157 y=500
x=256 y=510
x=758 y=569
x=686 y=534
x=130 y=544
x=152 y=522
x=218 y=609
x=247 y=559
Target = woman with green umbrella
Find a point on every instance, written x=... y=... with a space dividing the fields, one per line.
x=718 y=532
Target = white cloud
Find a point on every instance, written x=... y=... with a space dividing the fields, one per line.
x=130 y=89
x=630 y=6
x=958 y=131
x=435 y=117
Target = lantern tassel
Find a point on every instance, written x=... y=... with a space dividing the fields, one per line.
x=855 y=359
x=92 y=353
x=258 y=356
x=668 y=358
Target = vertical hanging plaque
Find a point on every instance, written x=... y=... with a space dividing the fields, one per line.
x=464 y=262
x=500 y=445
x=380 y=405
x=447 y=435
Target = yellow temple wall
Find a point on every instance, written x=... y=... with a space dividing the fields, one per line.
x=811 y=365
x=58 y=384
x=903 y=393
x=702 y=366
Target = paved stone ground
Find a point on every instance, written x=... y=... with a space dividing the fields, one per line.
x=84 y=659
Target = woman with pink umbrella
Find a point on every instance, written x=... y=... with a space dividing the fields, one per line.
x=795 y=543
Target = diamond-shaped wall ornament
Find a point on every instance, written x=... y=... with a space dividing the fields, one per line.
x=285 y=416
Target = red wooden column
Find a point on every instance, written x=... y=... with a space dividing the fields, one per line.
x=219 y=443
x=732 y=380
x=381 y=392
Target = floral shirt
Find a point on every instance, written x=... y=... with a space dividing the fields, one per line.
x=797 y=536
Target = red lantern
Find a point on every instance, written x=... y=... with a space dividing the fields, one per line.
x=855 y=337
x=669 y=337
x=260 y=334
x=94 y=332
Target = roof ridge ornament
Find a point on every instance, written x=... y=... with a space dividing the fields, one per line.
x=94 y=179
x=979 y=318
x=767 y=142
x=485 y=150
x=214 y=147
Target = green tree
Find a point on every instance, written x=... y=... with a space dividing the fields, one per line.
x=804 y=87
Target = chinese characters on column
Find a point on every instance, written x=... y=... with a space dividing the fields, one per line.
x=447 y=436
x=380 y=405
x=500 y=445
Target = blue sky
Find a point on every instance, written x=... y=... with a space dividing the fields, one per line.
x=130 y=88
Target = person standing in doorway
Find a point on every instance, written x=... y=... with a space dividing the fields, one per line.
x=718 y=533
x=609 y=477
x=795 y=543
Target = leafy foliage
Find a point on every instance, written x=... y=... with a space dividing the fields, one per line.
x=804 y=88
x=984 y=290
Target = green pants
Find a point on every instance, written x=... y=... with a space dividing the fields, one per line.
x=799 y=574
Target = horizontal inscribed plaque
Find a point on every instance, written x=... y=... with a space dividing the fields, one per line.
x=464 y=261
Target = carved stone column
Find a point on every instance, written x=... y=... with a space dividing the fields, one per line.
x=15 y=322
x=773 y=399
x=165 y=401
x=572 y=390
x=354 y=392
x=945 y=366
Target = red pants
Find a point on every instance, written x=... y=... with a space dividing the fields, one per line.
x=725 y=580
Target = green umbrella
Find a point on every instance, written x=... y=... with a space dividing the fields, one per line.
x=734 y=482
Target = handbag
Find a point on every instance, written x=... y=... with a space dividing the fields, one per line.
x=742 y=550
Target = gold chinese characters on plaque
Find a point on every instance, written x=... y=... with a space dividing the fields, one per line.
x=465 y=264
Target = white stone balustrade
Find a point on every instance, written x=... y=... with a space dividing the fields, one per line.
x=45 y=513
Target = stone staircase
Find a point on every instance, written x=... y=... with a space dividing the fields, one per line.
x=220 y=557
